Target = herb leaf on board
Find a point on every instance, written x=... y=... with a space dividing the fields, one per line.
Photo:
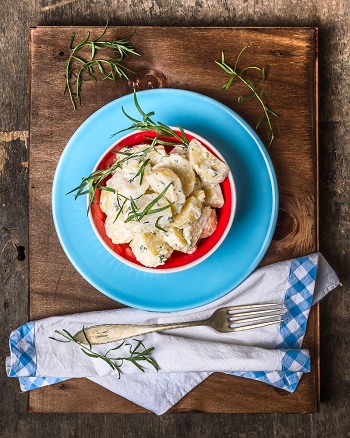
x=84 y=63
x=237 y=74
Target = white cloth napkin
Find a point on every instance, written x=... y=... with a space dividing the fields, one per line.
x=185 y=356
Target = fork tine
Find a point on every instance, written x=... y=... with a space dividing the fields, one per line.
x=254 y=312
x=248 y=327
x=255 y=318
x=252 y=306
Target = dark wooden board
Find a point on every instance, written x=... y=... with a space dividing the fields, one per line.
x=290 y=57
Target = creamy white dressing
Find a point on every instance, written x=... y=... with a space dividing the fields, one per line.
x=155 y=221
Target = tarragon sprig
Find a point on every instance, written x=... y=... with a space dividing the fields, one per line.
x=147 y=124
x=92 y=182
x=136 y=215
x=237 y=75
x=137 y=353
x=79 y=69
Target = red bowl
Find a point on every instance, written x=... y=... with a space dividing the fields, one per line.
x=178 y=260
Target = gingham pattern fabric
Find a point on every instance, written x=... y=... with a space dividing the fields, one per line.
x=23 y=356
x=298 y=300
x=22 y=346
x=29 y=383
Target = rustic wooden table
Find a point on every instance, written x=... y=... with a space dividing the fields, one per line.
x=331 y=18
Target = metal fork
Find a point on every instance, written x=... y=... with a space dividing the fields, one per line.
x=223 y=320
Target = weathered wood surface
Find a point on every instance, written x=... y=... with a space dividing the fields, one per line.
x=281 y=51
x=332 y=19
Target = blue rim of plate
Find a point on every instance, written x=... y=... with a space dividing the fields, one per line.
x=244 y=246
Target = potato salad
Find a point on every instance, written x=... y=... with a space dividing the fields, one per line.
x=161 y=202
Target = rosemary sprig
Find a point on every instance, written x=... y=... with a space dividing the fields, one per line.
x=147 y=124
x=79 y=69
x=237 y=75
x=137 y=353
x=141 y=171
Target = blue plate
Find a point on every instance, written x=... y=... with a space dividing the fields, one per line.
x=243 y=248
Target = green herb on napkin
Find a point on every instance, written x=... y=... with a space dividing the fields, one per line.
x=137 y=352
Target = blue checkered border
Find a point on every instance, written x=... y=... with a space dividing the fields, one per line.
x=298 y=300
x=23 y=359
x=30 y=383
x=23 y=354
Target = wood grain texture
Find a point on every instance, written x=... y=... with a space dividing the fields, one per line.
x=331 y=16
x=280 y=51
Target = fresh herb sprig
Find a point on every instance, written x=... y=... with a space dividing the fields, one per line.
x=147 y=124
x=137 y=352
x=79 y=69
x=92 y=182
x=239 y=75
x=158 y=226
x=136 y=215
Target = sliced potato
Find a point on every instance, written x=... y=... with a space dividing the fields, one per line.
x=200 y=195
x=192 y=233
x=208 y=167
x=213 y=195
x=160 y=178
x=108 y=202
x=117 y=230
x=182 y=168
x=180 y=150
x=125 y=182
x=156 y=154
x=189 y=214
x=150 y=250
x=197 y=184
x=174 y=237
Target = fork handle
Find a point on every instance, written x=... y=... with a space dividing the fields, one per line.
x=102 y=334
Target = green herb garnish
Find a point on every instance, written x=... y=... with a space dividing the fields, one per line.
x=136 y=215
x=237 y=75
x=94 y=180
x=78 y=69
x=158 y=226
x=141 y=171
x=147 y=124
x=120 y=206
x=137 y=352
